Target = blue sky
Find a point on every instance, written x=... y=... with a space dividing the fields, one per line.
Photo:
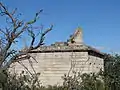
x=99 y=19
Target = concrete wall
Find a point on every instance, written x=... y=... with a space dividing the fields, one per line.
x=53 y=65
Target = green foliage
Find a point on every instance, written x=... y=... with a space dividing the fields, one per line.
x=25 y=81
x=112 y=72
x=3 y=79
x=83 y=82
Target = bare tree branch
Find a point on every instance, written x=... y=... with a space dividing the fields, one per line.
x=14 y=31
x=42 y=37
x=5 y=11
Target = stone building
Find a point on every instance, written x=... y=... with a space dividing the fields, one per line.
x=62 y=58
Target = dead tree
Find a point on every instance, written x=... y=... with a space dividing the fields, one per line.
x=11 y=34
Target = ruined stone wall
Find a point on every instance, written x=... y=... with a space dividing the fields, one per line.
x=53 y=65
x=95 y=64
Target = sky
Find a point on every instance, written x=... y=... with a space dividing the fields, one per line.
x=99 y=20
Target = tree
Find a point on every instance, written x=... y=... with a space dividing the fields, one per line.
x=11 y=35
x=84 y=81
x=112 y=72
